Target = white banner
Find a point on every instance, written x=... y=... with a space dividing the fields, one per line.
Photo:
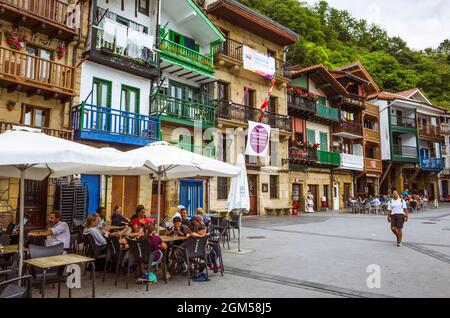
x=258 y=139
x=259 y=63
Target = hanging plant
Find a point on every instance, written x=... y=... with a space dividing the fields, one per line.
x=16 y=43
x=60 y=52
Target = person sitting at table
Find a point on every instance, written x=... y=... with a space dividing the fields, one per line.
x=93 y=230
x=117 y=218
x=184 y=219
x=178 y=213
x=200 y=212
x=196 y=222
x=59 y=231
x=211 y=257
x=141 y=219
x=101 y=212
x=178 y=228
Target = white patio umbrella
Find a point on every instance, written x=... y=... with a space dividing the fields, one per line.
x=33 y=155
x=238 y=197
x=168 y=162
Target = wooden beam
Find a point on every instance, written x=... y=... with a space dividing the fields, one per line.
x=33 y=91
x=324 y=85
x=14 y=88
x=386 y=173
x=51 y=95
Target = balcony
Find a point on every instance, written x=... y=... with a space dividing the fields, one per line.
x=373 y=165
x=326 y=112
x=186 y=57
x=300 y=106
x=354 y=100
x=405 y=154
x=312 y=157
x=445 y=129
x=44 y=16
x=431 y=164
x=403 y=123
x=230 y=53
x=351 y=162
x=35 y=76
x=372 y=135
x=347 y=129
x=108 y=54
x=181 y=111
x=112 y=125
x=207 y=151
x=233 y=112
x=430 y=132
x=60 y=133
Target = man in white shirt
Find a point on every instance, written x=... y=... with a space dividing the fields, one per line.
x=59 y=232
x=398 y=215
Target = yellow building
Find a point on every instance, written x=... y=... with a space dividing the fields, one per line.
x=240 y=93
x=38 y=84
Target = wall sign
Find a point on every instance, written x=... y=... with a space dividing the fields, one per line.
x=258 y=139
x=258 y=63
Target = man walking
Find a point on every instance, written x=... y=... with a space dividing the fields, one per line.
x=397 y=216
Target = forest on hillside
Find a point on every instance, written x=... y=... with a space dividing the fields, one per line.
x=333 y=37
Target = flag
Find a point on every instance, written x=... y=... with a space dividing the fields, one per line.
x=265 y=104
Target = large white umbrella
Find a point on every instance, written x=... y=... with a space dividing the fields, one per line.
x=238 y=197
x=166 y=161
x=33 y=155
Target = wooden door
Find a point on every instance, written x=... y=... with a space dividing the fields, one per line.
x=125 y=194
x=253 y=192
x=315 y=192
x=35 y=204
x=347 y=192
x=155 y=199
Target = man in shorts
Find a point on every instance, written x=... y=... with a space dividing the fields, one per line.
x=397 y=216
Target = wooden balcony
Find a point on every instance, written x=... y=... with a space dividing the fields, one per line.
x=35 y=76
x=60 y=133
x=372 y=135
x=233 y=112
x=430 y=132
x=373 y=165
x=43 y=16
x=372 y=110
x=348 y=129
x=300 y=106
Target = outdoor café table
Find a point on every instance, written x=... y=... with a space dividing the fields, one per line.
x=10 y=249
x=116 y=228
x=46 y=263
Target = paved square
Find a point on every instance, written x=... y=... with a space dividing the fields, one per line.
x=318 y=255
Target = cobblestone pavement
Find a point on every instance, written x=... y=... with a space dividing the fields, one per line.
x=317 y=255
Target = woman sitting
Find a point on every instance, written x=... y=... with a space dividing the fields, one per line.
x=117 y=218
x=141 y=219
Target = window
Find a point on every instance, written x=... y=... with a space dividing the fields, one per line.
x=322 y=101
x=310 y=136
x=222 y=188
x=38 y=65
x=129 y=100
x=184 y=41
x=35 y=116
x=273 y=102
x=249 y=97
x=323 y=141
x=274 y=187
x=222 y=93
x=271 y=53
x=101 y=93
x=223 y=150
x=144 y=7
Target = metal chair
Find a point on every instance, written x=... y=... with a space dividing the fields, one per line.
x=10 y=289
x=53 y=275
x=234 y=224
x=194 y=248
x=114 y=255
x=94 y=251
x=140 y=252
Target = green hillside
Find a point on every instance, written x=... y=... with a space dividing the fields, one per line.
x=333 y=37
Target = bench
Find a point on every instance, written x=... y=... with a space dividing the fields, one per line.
x=280 y=210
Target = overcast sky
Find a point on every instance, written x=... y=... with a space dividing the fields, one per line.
x=421 y=23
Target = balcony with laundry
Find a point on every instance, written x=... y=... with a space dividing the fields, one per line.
x=124 y=44
x=55 y=18
x=187 y=38
x=349 y=125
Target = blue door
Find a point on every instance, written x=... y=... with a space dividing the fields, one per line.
x=93 y=184
x=191 y=195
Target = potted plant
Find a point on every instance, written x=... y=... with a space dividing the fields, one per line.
x=16 y=43
x=60 y=52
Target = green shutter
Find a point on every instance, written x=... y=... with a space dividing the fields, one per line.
x=310 y=136
x=323 y=141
